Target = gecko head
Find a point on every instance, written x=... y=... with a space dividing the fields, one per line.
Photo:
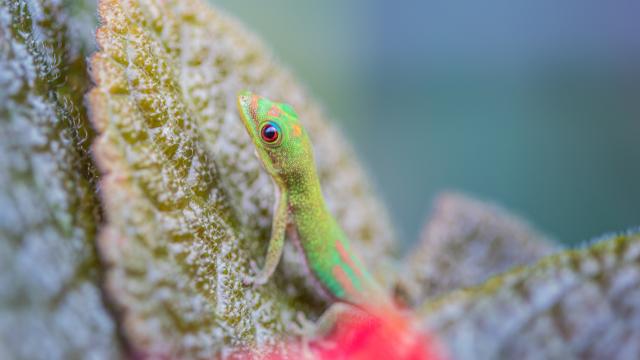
x=280 y=141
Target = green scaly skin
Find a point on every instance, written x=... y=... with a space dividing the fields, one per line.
x=300 y=208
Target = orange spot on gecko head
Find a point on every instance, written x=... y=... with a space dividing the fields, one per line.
x=297 y=130
x=343 y=279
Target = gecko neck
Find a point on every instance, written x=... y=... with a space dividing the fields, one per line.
x=304 y=190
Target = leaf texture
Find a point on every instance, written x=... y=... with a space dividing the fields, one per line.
x=50 y=303
x=465 y=242
x=187 y=205
x=579 y=304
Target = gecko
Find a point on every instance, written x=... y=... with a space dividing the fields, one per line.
x=283 y=147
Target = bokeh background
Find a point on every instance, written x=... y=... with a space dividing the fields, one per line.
x=532 y=104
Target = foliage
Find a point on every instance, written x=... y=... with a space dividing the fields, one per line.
x=146 y=255
x=576 y=304
x=187 y=205
x=50 y=302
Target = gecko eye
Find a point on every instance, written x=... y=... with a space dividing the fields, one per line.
x=270 y=133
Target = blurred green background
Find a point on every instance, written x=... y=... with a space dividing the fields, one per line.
x=534 y=104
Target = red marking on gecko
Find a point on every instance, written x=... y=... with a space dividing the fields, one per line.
x=253 y=108
x=274 y=111
x=343 y=279
x=346 y=258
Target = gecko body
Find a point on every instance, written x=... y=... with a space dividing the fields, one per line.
x=284 y=148
x=377 y=328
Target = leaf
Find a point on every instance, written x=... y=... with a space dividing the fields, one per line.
x=186 y=202
x=577 y=304
x=50 y=303
x=464 y=243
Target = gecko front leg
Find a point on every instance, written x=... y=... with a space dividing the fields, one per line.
x=276 y=242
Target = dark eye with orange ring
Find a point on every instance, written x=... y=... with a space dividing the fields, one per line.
x=270 y=133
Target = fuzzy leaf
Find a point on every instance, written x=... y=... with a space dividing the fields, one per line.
x=464 y=243
x=187 y=204
x=579 y=304
x=50 y=304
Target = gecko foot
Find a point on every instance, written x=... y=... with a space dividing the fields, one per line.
x=305 y=329
x=257 y=279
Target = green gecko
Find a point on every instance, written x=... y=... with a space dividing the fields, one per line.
x=284 y=148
